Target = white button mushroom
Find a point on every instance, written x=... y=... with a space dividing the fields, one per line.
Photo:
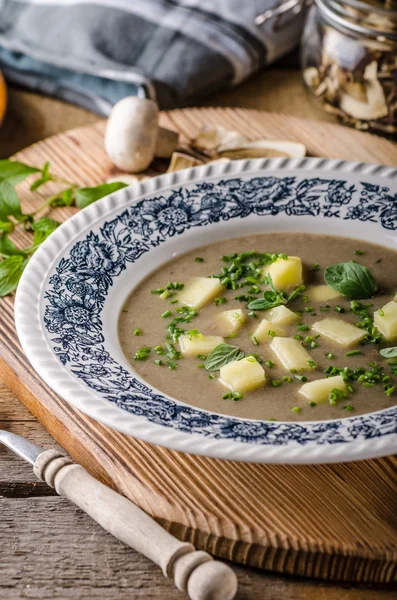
x=131 y=133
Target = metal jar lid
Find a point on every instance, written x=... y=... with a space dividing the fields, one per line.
x=373 y=21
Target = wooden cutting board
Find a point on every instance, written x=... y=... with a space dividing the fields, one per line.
x=337 y=522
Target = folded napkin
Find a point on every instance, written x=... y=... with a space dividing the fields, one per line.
x=95 y=52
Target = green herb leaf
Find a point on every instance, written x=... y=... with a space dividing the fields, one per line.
x=388 y=352
x=11 y=270
x=42 y=229
x=88 y=195
x=222 y=355
x=269 y=300
x=9 y=201
x=6 y=226
x=8 y=248
x=351 y=279
x=15 y=172
x=64 y=198
x=45 y=176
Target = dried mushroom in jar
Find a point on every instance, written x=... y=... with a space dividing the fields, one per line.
x=354 y=77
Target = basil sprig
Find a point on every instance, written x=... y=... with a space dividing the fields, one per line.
x=269 y=300
x=272 y=298
x=351 y=280
x=222 y=355
x=11 y=215
x=389 y=352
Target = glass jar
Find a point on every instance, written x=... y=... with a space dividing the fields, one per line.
x=349 y=61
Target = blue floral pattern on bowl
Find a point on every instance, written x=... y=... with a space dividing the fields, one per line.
x=81 y=282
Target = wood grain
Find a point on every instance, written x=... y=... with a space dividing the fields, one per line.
x=336 y=522
x=59 y=553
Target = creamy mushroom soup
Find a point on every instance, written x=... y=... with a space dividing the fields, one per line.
x=276 y=326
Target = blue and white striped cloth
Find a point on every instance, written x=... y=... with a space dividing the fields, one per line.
x=94 y=52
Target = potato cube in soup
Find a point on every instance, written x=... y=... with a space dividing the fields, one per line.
x=385 y=320
x=230 y=321
x=265 y=327
x=291 y=353
x=321 y=293
x=318 y=391
x=339 y=331
x=192 y=345
x=281 y=315
x=199 y=291
x=242 y=375
x=285 y=272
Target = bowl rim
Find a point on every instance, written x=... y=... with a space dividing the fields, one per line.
x=30 y=297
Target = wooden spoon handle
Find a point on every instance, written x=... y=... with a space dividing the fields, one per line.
x=193 y=571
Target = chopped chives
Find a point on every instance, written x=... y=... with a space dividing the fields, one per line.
x=303 y=327
x=296 y=409
x=359 y=252
x=329 y=355
x=301 y=378
x=353 y=353
x=200 y=365
x=312 y=403
x=166 y=314
x=287 y=379
x=158 y=362
x=270 y=364
x=232 y=396
x=158 y=291
x=220 y=300
x=199 y=259
x=212 y=376
x=255 y=340
x=276 y=382
x=137 y=331
x=142 y=353
x=348 y=407
x=314 y=267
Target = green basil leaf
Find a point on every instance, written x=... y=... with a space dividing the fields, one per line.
x=45 y=177
x=351 y=280
x=388 y=352
x=9 y=201
x=222 y=355
x=64 y=198
x=42 y=229
x=8 y=248
x=269 y=300
x=86 y=196
x=6 y=226
x=15 y=172
x=11 y=270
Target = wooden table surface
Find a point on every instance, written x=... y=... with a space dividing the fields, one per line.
x=48 y=548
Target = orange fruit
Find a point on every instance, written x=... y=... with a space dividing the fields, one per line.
x=3 y=97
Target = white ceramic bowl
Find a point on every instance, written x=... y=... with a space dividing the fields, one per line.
x=70 y=295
